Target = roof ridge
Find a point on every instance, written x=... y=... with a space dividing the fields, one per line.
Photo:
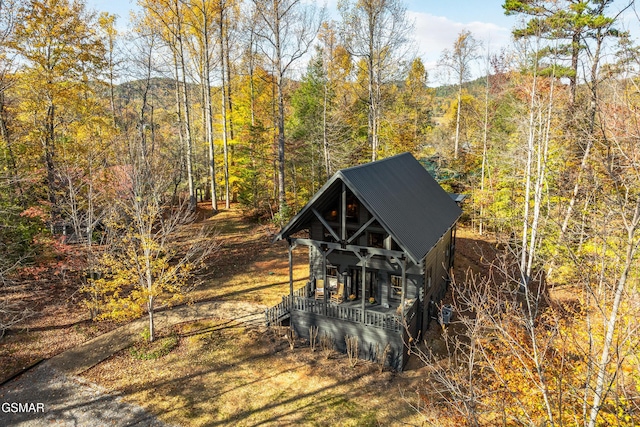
x=374 y=162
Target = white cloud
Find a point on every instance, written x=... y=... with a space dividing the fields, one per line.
x=433 y=34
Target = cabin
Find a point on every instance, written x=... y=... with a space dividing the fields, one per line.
x=381 y=240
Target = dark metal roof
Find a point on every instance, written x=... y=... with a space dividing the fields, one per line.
x=400 y=193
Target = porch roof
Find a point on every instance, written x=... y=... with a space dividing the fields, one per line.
x=403 y=197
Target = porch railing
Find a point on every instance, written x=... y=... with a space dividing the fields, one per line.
x=282 y=310
x=278 y=312
x=301 y=302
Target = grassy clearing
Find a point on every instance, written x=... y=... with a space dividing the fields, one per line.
x=248 y=267
x=224 y=374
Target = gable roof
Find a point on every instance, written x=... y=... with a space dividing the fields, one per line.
x=403 y=197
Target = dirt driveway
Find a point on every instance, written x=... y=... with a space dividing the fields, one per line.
x=66 y=400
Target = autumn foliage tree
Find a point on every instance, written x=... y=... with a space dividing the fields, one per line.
x=142 y=265
x=61 y=55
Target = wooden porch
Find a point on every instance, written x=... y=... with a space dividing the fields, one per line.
x=374 y=315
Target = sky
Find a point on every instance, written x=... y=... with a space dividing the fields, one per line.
x=437 y=23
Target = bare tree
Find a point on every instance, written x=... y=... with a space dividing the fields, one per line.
x=167 y=17
x=495 y=365
x=459 y=60
x=378 y=33
x=286 y=29
x=201 y=17
x=615 y=294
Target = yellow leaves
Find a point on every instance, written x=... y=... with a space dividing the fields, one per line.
x=140 y=266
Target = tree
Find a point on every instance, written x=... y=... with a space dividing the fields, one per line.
x=110 y=36
x=142 y=265
x=286 y=30
x=571 y=21
x=494 y=372
x=57 y=41
x=308 y=120
x=167 y=17
x=201 y=18
x=376 y=33
x=459 y=60
x=224 y=10
x=615 y=179
x=8 y=16
x=317 y=122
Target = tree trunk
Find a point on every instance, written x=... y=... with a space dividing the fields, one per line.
x=456 y=142
x=151 y=323
x=223 y=107
x=187 y=108
x=4 y=135
x=282 y=201
x=630 y=253
x=49 y=152
x=187 y=129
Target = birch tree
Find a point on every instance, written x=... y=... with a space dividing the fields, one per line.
x=613 y=334
x=458 y=60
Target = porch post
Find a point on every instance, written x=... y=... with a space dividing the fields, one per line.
x=324 y=274
x=290 y=245
x=343 y=215
x=364 y=281
x=363 y=259
x=403 y=265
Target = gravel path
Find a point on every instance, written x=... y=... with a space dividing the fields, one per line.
x=61 y=398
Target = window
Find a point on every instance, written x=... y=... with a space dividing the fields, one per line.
x=376 y=240
x=353 y=208
x=331 y=214
x=395 y=284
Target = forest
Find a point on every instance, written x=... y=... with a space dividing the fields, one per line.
x=112 y=138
